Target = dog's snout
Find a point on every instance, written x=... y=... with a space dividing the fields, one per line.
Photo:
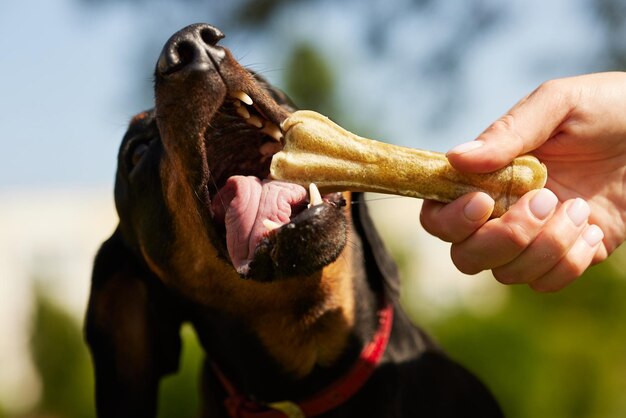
x=194 y=48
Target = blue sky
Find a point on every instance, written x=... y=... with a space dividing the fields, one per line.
x=71 y=75
x=60 y=84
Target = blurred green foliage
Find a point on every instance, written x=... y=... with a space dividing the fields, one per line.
x=543 y=355
x=310 y=80
x=62 y=360
x=179 y=393
x=549 y=355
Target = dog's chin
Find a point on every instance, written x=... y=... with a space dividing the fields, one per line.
x=304 y=245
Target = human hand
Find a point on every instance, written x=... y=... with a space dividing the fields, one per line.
x=577 y=128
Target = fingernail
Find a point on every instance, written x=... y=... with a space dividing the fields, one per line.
x=578 y=211
x=542 y=203
x=593 y=235
x=466 y=147
x=478 y=208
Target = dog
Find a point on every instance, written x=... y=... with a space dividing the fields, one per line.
x=294 y=299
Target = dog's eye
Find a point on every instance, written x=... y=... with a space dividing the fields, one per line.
x=136 y=153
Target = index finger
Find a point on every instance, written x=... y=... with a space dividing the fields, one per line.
x=456 y=221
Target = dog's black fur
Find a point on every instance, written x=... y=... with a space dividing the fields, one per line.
x=308 y=304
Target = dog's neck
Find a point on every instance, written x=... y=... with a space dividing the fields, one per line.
x=314 y=331
x=312 y=340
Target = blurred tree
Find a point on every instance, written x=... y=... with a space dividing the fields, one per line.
x=463 y=26
x=179 y=393
x=310 y=80
x=612 y=14
x=555 y=355
x=259 y=12
x=62 y=360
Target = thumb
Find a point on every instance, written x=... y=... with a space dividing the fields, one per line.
x=529 y=124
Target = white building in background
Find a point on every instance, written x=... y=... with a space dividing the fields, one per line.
x=50 y=237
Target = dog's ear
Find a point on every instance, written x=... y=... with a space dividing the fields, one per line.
x=132 y=328
x=382 y=271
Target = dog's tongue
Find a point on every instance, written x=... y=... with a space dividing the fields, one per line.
x=244 y=204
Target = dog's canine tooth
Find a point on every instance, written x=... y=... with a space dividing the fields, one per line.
x=255 y=121
x=242 y=111
x=240 y=95
x=272 y=130
x=271 y=225
x=315 y=197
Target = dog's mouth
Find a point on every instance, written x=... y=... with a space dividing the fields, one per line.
x=221 y=125
x=248 y=208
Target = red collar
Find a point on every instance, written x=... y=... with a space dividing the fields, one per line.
x=239 y=406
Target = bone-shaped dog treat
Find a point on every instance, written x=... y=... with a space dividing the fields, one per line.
x=316 y=150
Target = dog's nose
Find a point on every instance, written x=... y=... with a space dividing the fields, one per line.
x=193 y=47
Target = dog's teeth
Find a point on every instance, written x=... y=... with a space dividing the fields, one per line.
x=242 y=111
x=272 y=130
x=255 y=121
x=271 y=225
x=315 y=197
x=240 y=95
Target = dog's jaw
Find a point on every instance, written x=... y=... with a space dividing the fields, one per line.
x=219 y=125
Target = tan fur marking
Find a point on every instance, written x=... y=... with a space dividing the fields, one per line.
x=299 y=343
x=297 y=340
x=139 y=117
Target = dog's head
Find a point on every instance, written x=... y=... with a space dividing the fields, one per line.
x=192 y=187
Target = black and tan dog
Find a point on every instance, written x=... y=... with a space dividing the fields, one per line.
x=293 y=298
